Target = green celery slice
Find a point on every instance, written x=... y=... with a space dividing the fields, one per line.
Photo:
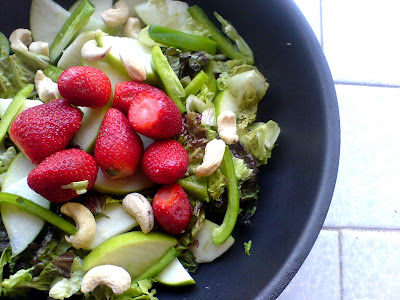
x=196 y=84
x=39 y=211
x=76 y=21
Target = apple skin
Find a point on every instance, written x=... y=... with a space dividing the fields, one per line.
x=134 y=251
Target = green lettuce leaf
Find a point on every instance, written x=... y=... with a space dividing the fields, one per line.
x=260 y=139
x=16 y=281
x=6 y=258
x=216 y=184
x=66 y=287
x=18 y=70
x=6 y=158
x=142 y=290
x=241 y=170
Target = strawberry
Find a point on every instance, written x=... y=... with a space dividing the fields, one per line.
x=155 y=115
x=45 y=129
x=171 y=208
x=126 y=91
x=118 y=147
x=53 y=178
x=165 y=161
x=85 y=86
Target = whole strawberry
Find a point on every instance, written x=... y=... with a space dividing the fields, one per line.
x=165 y=161
x=84 y=86
x=155 y=115
x=64 y=175
x=126 y=91
x=118 y=147
x=171 y=208
x=45 y=129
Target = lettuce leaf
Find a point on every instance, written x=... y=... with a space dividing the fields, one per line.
x=216 y=184
x=259 y=140
x=18 y=280
x=141 y=290
x=241 y=170
x=18 y=70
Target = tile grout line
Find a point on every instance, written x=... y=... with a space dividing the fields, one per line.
x=366 y=84
x=368 y=229
x=321 y=24
x=340 y=249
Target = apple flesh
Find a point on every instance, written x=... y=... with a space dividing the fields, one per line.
x=133 y=251
x=18 y=169
x=203 y=248
x=114 y=222
x=175 y=274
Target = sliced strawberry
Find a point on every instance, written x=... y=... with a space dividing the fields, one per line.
x=171 y=208
x=64 y=175
x=155 y=115
x=164 y=162
x=45 y=129
x=126 y=91
x=85 y=86
x=118 y=147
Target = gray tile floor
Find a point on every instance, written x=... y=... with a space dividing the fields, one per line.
x=357 y=254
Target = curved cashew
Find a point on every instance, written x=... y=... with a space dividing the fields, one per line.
x=85 y=222
x=132 y=28
x=20 y=38
x=138 y=206
x=117 y=15
x=214 y=153
x=46 y=88
x=39 y=48
x=134 y=67
x=227 y=127
x=116 y=278
x=91 y=52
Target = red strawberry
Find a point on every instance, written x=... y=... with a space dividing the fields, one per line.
x=45 y=129
x=53 y=175
x=85 y=86
x=126 y=91
x=118 y=147
x=155 y=115
x=171 y=208
x=164 y=162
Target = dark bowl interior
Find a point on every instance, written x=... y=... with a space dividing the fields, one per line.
x=298 y=182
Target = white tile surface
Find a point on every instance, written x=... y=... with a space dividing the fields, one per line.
x=361 y=40
x=311 y=9
x=319 y=275
x=370 y=265
x=367 y=190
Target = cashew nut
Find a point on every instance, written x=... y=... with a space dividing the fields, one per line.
x=46 y=88
x=117 y=15
x=134 y=67
x=20 y=38
x=116 y=278
x=138 y=206
x=39 y=48
x=91 y=52
x=227 y=127
x=132 y=28
x=85 y=223
x=214 y=153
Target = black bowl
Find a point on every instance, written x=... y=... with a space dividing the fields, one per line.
x=298 y=182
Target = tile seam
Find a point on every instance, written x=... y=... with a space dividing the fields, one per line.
x=340 y=249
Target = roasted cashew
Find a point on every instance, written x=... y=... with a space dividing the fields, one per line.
x=116 y=278
x=117 y=15
x=91 y=52
x=214 y=153
x=46 y=88
x=138 y=206
x=20 y=38
x=134 y=67
x=39 y=48
x=132 y=28
x=85 y=223
x=227 y=127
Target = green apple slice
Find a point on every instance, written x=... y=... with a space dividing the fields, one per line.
x=122 y=186
x=28 y=103
x=203 y=248
x=133 y=251
x=175 y=274
x=18 y=169
x=86 y=136
x=72 y=54
x=22 y=227
x=224 y=101
x=114 y=222
x=46 y=20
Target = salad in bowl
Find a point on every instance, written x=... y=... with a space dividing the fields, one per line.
x=129 y=147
